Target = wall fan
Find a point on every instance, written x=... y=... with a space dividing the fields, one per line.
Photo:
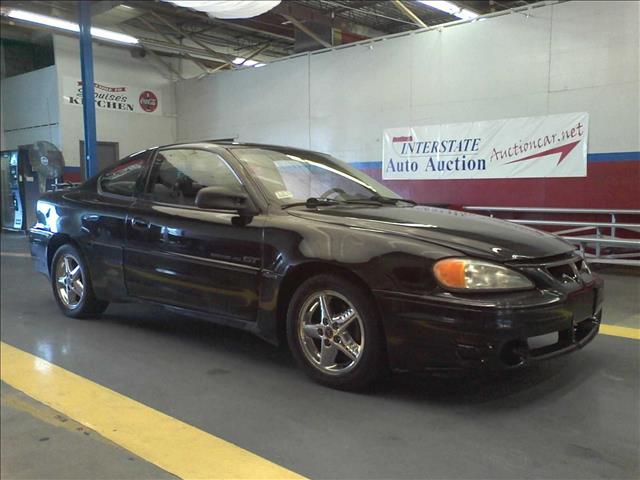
x=47 y=160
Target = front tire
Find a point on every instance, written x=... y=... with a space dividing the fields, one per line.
x=334 y=333
x=72 y=285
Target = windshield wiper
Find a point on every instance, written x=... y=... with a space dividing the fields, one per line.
x=381 y=200
x=392 y=200
x=313 y=202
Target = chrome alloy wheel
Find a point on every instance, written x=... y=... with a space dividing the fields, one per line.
x=69 y=281
x=331 y=333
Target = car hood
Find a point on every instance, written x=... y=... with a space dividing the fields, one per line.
x=474 y=235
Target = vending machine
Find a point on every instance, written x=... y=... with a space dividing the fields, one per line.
x=13 y=211
x=27 y=173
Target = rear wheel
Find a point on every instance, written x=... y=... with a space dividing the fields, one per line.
x=72 y=286
x=334 y=333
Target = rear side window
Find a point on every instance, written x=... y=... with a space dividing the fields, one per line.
x=126 y=177
x=178 y=174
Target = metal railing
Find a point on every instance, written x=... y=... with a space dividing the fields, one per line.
x=588 y=235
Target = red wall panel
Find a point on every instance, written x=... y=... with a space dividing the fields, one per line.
x=613 y=184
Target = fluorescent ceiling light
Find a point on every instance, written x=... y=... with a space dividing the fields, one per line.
x=450 y=8
x=70 y=26
x=247 y=63
x=113 y=36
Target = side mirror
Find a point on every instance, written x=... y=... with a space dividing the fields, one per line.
x=223 y=198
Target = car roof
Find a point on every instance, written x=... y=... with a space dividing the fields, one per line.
x=230 y=144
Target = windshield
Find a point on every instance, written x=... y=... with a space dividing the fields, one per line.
x=290 y=176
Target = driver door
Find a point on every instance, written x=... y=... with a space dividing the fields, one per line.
x=181 y=255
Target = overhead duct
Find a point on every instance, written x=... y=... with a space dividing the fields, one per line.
x=228 y=9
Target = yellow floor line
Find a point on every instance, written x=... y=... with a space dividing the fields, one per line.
x=626 y=332
x=22 y=403
x=172 y=445
x=14 y=254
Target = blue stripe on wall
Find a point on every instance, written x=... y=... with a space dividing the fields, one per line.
x=591 y=158
x=614 y=157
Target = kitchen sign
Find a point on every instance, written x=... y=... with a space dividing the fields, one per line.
x=526 y=147
x=114 y=97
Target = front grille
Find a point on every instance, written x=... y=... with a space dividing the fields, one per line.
x=566 y=272
x=566 y=269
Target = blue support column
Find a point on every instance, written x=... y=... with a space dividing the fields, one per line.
x=88 y=103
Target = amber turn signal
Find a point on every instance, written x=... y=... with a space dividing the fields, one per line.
x=450 y=272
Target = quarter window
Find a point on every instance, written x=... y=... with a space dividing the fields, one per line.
x=126 y=177
x=178 y=175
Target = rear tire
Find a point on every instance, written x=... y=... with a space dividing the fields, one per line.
x=335 y=333
x=71 y=285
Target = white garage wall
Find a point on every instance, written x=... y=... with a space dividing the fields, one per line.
x=33 y=109
x=30 y=109
x=574 y=56
x=268 y=104
x=133 y=131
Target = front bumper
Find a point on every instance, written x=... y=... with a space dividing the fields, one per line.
x=489 y=332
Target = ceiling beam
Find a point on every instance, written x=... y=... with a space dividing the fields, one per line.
x=103 y=6
x=225 y=56
x=371 y=13
x=307 y=31
x=305 y=13
x=254 y=26
x=257 y=51
x=197 y=62
x=407 y=11
x=248 y=57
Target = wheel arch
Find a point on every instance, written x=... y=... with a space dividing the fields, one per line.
x=296 y=275
x=57 y=241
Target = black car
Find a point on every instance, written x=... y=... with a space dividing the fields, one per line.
x=296 y=245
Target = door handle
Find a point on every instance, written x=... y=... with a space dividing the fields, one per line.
x=139 y=223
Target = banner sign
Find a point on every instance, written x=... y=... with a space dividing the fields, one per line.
x=550 y=146
x=118 y=98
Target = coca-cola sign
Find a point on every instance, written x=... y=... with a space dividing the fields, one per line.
x=148 y=101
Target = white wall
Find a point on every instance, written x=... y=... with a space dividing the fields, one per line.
x=30 y=108
x=574 y=56
x=33 y=107
x=268 y=104
x=133 y=131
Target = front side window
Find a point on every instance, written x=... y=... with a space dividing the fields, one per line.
x=293 y=176
x=178 y=175
x=126 y=177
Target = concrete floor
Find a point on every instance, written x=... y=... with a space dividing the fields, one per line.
x=573 y=417
x=38 y=442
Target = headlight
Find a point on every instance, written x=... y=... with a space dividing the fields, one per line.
x=468 y=274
